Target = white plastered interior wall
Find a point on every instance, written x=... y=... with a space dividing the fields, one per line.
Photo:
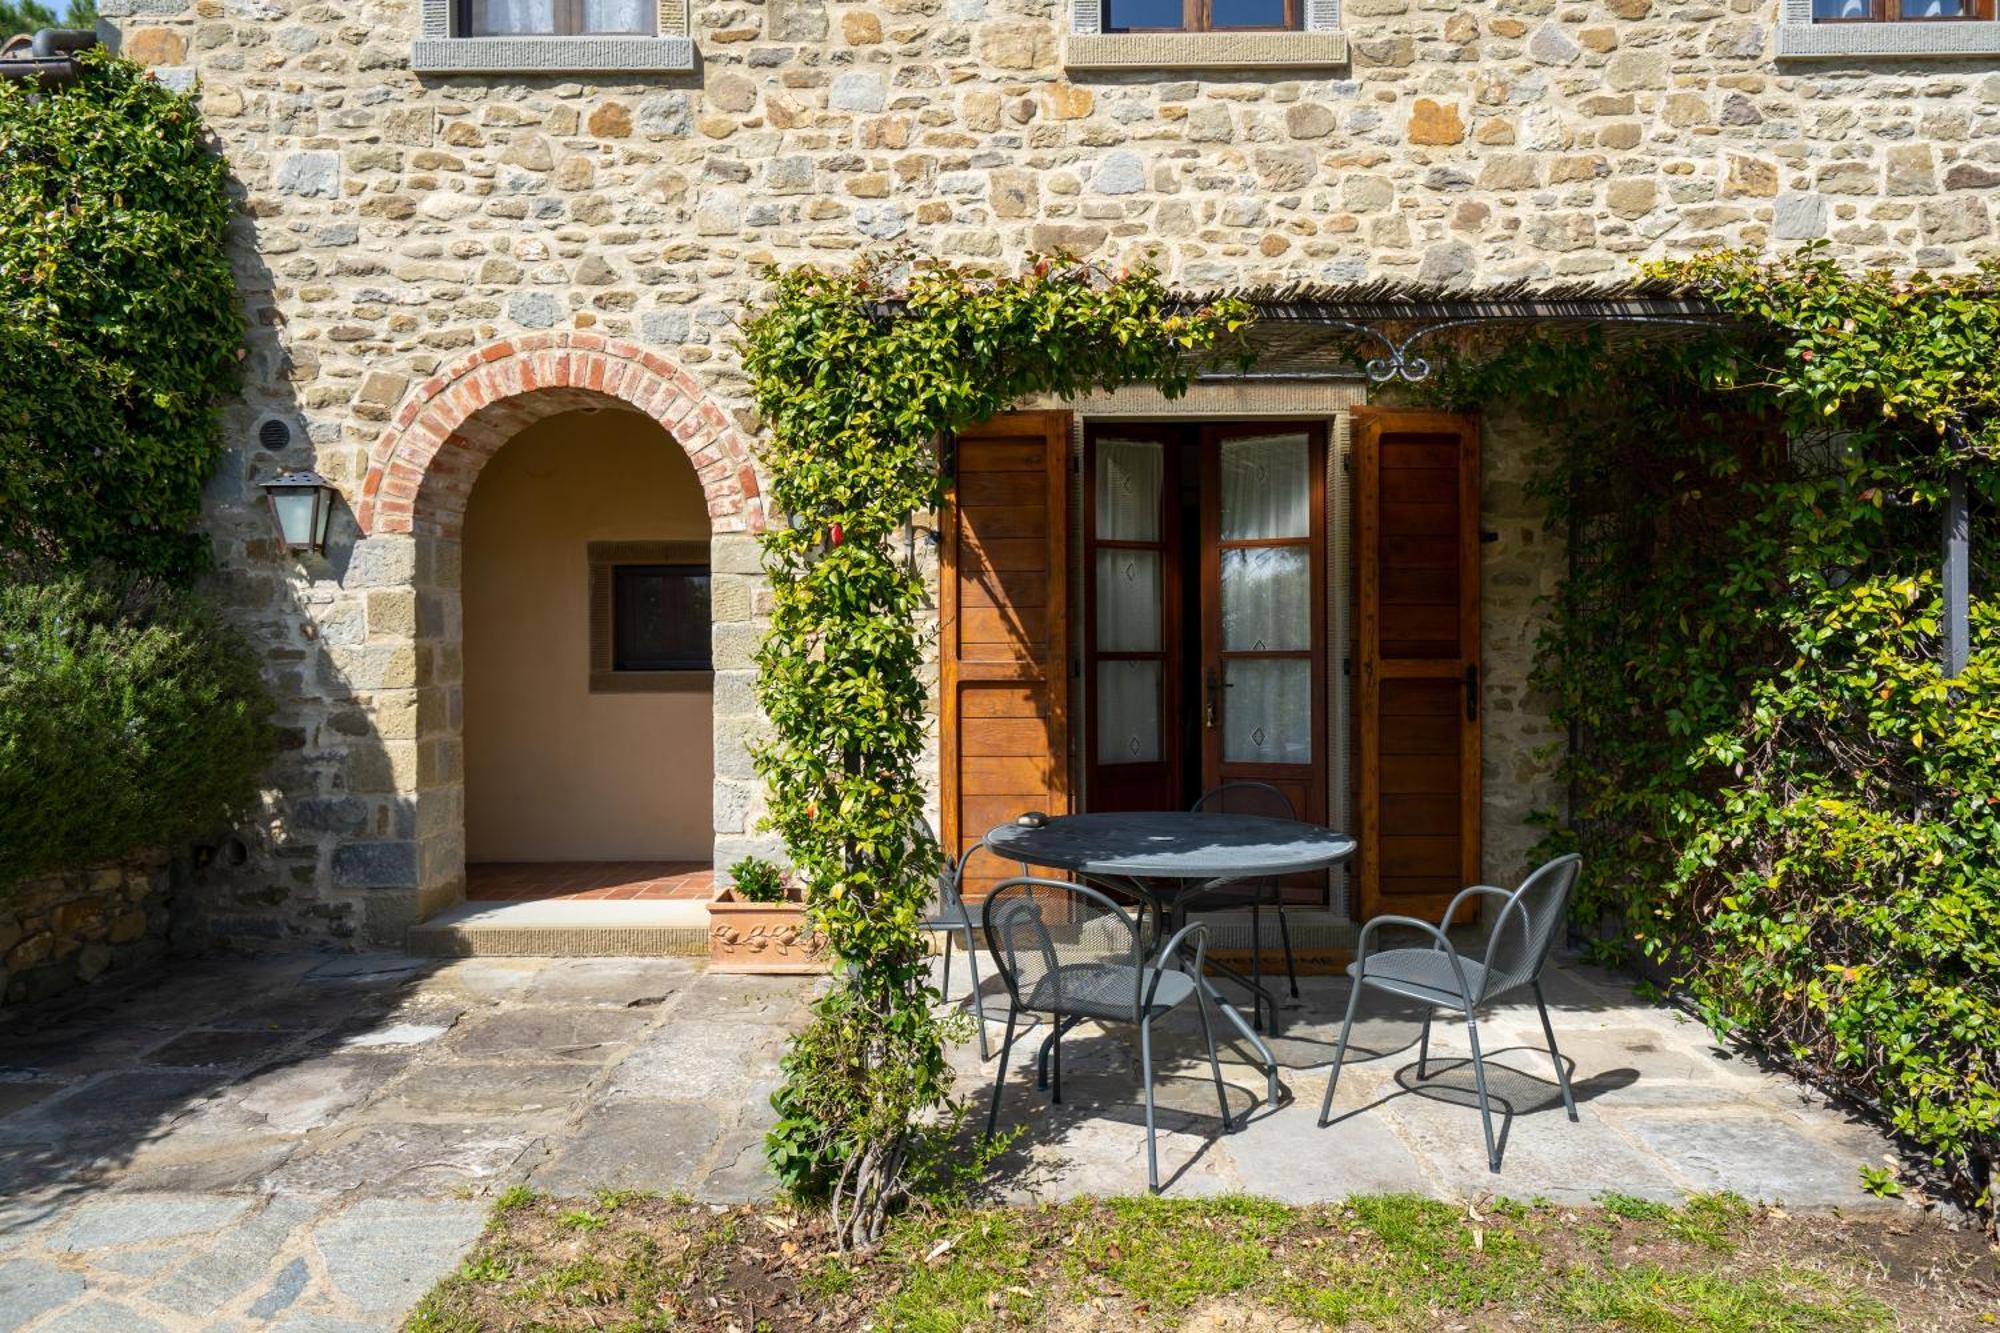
x=1327 y=401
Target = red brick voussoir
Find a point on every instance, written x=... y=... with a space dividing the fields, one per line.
x=421 y=470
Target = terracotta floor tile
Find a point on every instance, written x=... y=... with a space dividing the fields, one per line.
x=592 y=881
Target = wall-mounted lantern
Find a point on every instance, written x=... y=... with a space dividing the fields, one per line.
x=302 y=503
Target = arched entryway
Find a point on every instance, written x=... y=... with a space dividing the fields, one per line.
x=588 y=679
x=424 y=471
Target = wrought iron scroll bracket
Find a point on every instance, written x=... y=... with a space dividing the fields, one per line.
x=1399 y=361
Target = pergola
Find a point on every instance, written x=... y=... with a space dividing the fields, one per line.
x=1377 y=331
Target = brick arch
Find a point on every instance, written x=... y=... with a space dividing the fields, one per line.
x=421 y=470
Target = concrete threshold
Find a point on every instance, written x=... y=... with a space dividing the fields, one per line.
x=558 y=928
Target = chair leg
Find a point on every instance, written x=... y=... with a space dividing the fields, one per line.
x=1257 y=967
x=1000 y=1077
x=1562 y=1074
x=1146 y=1074
x=1424 y=1043
x=944 y=985
x=1285 y=934
x=1479 y=1078
x=1214 y=1064
x=1055 y=1084
x=978 y=1000
x=1340 y=1053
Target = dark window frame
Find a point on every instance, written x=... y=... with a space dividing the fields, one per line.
x=1199 y=16
x=624 y=656
x=568 y=22
x=1891 y=11
x=607 y=674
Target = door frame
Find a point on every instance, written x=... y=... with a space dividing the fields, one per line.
x=1369 y=424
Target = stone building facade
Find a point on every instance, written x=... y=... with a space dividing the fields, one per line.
x=431 y=259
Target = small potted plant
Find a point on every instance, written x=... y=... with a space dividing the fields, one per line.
x=757 y=923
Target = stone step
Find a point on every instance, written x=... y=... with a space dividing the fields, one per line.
x=640 y=928
x=1322 y=942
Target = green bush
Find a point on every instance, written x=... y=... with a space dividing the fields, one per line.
x=131 y=717
x=1780 y=797
x=757 y=880
x=119 y=334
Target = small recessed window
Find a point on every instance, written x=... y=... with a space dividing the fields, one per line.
x=558 y=18
x=649 y=617
x=1899 y=11
x=659 y=618
x=1201 y=15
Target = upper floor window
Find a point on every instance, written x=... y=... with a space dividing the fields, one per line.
x=1899 y=11
x=552 y=36
x=557 y=18
x=1202 y=15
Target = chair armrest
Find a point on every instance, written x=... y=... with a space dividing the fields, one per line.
x=1439 y=941
x=1467 y=892
x=1170 y=952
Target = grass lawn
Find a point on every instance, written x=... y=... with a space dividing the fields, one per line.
x=623 y=1261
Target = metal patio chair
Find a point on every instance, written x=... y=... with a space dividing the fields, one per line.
x=1071 y=952
x=1524 y=933
x=1248 y=798
x=950 y=914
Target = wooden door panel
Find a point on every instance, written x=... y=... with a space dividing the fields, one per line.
x=1002 y=626
x=988 y=737
x=1001 y=701
x=1416 y=657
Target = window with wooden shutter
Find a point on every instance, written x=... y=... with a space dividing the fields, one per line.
x=1003 y=626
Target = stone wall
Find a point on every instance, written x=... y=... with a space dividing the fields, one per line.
x=59 y=932
x=397 y=227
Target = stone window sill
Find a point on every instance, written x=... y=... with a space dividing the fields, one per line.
x=1832 y=41
x=1205 y=50
x=551 y=55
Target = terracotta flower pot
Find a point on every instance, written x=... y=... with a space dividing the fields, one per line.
x=764 y=937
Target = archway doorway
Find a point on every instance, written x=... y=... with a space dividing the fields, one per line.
x=587 y=680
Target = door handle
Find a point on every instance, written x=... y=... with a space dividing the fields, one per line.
x=1472 y=693
x=1214 y=686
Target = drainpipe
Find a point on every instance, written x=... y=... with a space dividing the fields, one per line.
x=49 y=57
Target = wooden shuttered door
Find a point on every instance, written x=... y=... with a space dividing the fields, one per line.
x=1417 y=687
x=1003 y=626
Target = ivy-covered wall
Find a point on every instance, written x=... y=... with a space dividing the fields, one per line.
x=1782 y=798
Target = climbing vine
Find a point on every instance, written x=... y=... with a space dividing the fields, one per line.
x=1781 y=798
x=119 y=337
x=861 y=376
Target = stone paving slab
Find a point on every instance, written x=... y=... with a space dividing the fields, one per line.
x=308 y=1144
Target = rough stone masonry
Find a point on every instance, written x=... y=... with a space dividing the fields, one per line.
x=396 y=224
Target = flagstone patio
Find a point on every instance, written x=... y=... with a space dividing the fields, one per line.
x=307 y=1144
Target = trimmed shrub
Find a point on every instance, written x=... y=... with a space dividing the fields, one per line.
x=119 y=334
x=131 y=717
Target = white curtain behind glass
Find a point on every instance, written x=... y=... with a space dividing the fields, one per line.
x=616 y=15
x=504 y=18
x=1266 y=487
x=1128 y=601
x=1266 y=598
x=1267 y=718
x=1128 y=712
x=1129 y=476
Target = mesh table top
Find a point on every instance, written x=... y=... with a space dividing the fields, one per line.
x=1172 y=844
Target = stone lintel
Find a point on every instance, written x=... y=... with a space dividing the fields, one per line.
x=1204 y=50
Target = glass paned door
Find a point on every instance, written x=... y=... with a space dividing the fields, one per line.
x=1264 y=600
x=1132 y=532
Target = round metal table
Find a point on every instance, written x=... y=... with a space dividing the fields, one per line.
x=1137 y=850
